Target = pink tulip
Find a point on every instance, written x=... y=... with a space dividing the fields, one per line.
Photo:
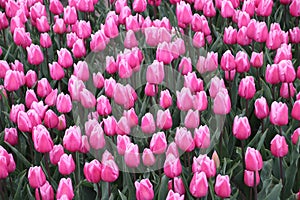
x=249 y=178
x=204 y=164
x=11 y=136
x=63 y=103
x=148 y=123
x=184 y=139
x=294 y=8
x=242 y=38
x=45 y=40
x=34 y=54
x=257 y=59
x=158 y=144
x=242 y=62
x=42 y=140
x=164 y=119
x=272 y=74
x=55 y=154
x=264 y=8
x=222 y=103
x=92 y=171
x=85 y=5
x=70 y=15
x=131 y=156
x=227 y=9
x=199 y=40
x=279 y=113
x=247 y=87
x=23 y=121
x=96 y=138
x=183 y=13
x=230 y=35
x=42 y=24
x=174 y=196
x=164 y=53
x=295 y=111
x=66 y=164
x=184 y=99
x=199 y=185
x=144 y=190
x=172 y=166
x=15 y=109
x=30 y=97
x=275 y=37
x=261 y=108
x=295 y=136
x=192 y=119
x=155 y=72
x=241 y=128
x=56 y=71
x=56 y=7
x=249 y=7
x=148 y=157
x=165 y=100
x=222 y=186
x=72 y=139
x=294 y=35
x=284 y=52
x=253 y=159
x=59 y=27
x=122 y=141
x=78 y=49
x=287 y=90
x=279 y=147
x=65 y=188
x=46 y=192
x=192 y=82
x=110 y=170
x=36 y=177
x=50 y=100
x=227 y=61
x=216 y=85
x=3 y=167
x=286 y=71
x=98 y=42
x=209 y=9
x=131 y=117
x=64 y=58
x=30 y=78
x=202 y=137
x=178 y=185
x=185 y=65
x=103 y=106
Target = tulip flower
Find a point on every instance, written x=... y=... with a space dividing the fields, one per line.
x=222 y=186
x=92 y=171
x=36 y=177
x=279 y=114
x=65 y=188
x=199 y=185
x=144 y=190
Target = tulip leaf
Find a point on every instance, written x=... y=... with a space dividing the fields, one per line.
x=163 y=190
x=20 y=184
x=29 y=194
x=19 y=155
x=274 y=193
x=123 y=197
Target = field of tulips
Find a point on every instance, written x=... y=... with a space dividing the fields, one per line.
x=149 y=99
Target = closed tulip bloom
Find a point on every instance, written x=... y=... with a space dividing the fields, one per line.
x=275 y=37
x=222 y=103
x=78 y=49
x=227 y=61
x=249 y=178
x=3 y=166
x=294 y=35
x=34 y=55
x=184 y=99
x=209 y=9
x=42 y=24
x=30 y=78
x=11 y=136
x=148 y=123
x=172 y=166
x=192 y=82
x=295 y=136
x=163 y=53
x=61 y=122
x=119 y=4
x=71 y=39
x=50 y=119
x=139 y=5
x=41 y=139
x=46 y=192
x=158 y=144
x=96 y=138
x=56 y=71
x=184 y=139
x=122 y=141
x=242 y=62
x=261 y=32
x=98 y=42
x=30 y=97
x=131 y=156
x=279 y=113
x=23 y=121
x=183 y=13
x=56 y=7
x=103 y=106
x=4 y=67
x=294 y=8
x=85 y=5
x=50 y=100
x=296 y=110
x=216 y=85
x=155 y=72
x=272 y=74
x=192 y=119
x=64 y=58
x=261 y=108
x=3 y=20
x=36 y=177
x=199 y=40
x=241 y=128
x=164 y=119
x=264 y=8
x=174 y=196
x=63 y=103
x=230 y=35
x=83 y=29
x=178 y=185
x=14 y=111
x=70 y=15
x=55 y=154
x=247 y=87
x=85 y=145
x=111 y=28
x=227 y=9
x=287 y=90
x=204 y=164
x=34 y=117
x=66 y=164
x=253 y=159
x=148 y=157
x=72 y=139
x=75 y=86
x=202 y=137
x=286 y=71
x=199 y=185
x=130 y=40
x=110 y=124
x=284 y=52
x=92 y=171
x=144 y=190
x=165 y=99
x=185 y=65
x=257 y=59
x=87 y=99
x=59 y=27
x=222 y=186
x=65 y=188
x=242 y=38
x=98 y=80
x=229 y=75
x=279 y=147
x=110 y=170
x=45 y=40
x=131 y=117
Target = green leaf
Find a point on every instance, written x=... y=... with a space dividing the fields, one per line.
x=123 y=197
x=275 y=193
x=20 y=184
x=19 y=155
x=163 y=190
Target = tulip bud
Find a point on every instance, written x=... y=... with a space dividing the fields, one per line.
x=144 y=190
x=222 y=186
x=279 y=147
x=65 y=188
x=36 y=177
x=199 y=185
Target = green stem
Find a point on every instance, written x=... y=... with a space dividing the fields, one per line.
x=281 y=171
x=99 y=190
x=255 y=187
x=243 y=152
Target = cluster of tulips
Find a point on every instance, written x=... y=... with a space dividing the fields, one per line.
x=149 y=99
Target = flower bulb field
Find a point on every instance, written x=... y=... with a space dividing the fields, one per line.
x=149 y=99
